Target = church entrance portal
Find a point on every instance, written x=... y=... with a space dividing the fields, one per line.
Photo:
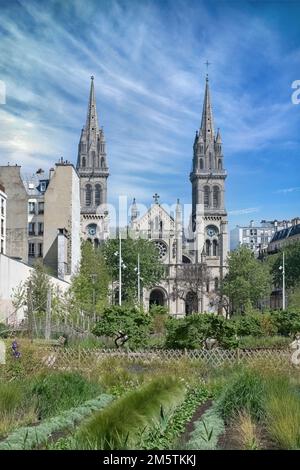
x=157 y=298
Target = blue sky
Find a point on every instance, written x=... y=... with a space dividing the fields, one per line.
x=148 y=61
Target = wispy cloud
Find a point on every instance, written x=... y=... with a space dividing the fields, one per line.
x=288 y=190
x=148 y=60
x=248 y=210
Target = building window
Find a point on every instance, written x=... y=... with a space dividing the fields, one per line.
x=2 y=246
x=219 y=164
x=206 y=196
x=83 y=162
x=215 y=248
x=31 y=228
x=2 y=227
x=41 y=207
x=102 y=162
x=216 y=283
x=31 y=249
x=207 y=247
x=201 y=163
x=88 y=195
x=40 y=254
x=98 y=194
x=41 y=228
x=2 y=206
x=31 y=206
x=207 y=285
x=216 y=197
x=43 y=186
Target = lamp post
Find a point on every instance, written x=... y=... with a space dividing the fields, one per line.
x=282 y=268
x=120 y=268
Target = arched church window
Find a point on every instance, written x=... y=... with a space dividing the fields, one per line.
x=102 y=162
x=83 y=162
x=97 y=194
x=201 y=163
x=206 y=196
x=219 y=164
x=216 y=197
x=215 y=248
x=160 y=229
x=93 y=155
x=88 y=195
x=207 y=247
x=210 y=160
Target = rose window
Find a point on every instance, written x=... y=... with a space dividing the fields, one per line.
x=162 y=249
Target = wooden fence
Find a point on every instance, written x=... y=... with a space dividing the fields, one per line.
x=79 y=358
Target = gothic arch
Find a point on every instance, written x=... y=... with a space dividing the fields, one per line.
x=98 y=193
x=206 y=196
x=215 y=247
x=216 y=197
x=83 y=162
x=88 y=194
x=220 y=164
x=208 y=248
x=158 y=296
x=201 y=163
x=191 y=303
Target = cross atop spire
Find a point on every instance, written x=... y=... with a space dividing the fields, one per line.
x=207 y=125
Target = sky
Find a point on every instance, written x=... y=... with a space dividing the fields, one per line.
x=148 y=58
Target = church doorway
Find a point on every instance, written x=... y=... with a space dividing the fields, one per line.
x=191 y=303
x=157 y=297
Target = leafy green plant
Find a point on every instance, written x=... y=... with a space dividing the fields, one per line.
x=269 y=342
x=207 y=431
x=243 y=391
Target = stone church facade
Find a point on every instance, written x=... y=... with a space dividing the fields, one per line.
x=195 y=260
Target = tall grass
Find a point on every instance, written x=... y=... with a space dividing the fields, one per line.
x=243 y=391
x=15 y=406
x=60 y=391
x=120 y=425
x=283 y=412
x=247 y=432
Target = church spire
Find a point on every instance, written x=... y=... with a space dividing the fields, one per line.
x=92 y=118
x=207 y=126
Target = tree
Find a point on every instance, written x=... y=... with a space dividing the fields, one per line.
x=89 y=287
x=292 y=265
x=189 y=282
x=247 y=282
x=131 y=321
x=151 y=269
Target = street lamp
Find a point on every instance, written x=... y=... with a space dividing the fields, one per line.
x=137 y=269
x=121 y=265
x=282 y=269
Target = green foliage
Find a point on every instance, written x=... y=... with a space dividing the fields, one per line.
x=59 y=391
x=90 y=285
x=283 y=412
x=20 y=368
x=130 y=320
x=287 y=322
x=4 y=330
x=262 y=342
x=120 y=425
x=294 y=297
x=151 y=268
x=207 y=431
x=247 y=281
x=164 y=434
x=260 y=324
x=243 y=391
x=193 y=330
x=292 y=265
x=32 y=437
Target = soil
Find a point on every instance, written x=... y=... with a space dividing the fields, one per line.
x=229 y=439
x=185 y=437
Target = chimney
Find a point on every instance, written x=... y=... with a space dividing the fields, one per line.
x=51 y=173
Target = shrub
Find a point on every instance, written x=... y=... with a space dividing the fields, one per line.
x=193 y=330
x=59 y=391
x=133 y=322
x=244 y=391
x=259 y=324
x=262 y=342
x=287 y=322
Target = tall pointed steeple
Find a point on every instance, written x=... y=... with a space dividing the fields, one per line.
x=92 y=118
x=207 y=125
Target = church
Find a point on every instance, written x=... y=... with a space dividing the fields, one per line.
x=195 y=262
